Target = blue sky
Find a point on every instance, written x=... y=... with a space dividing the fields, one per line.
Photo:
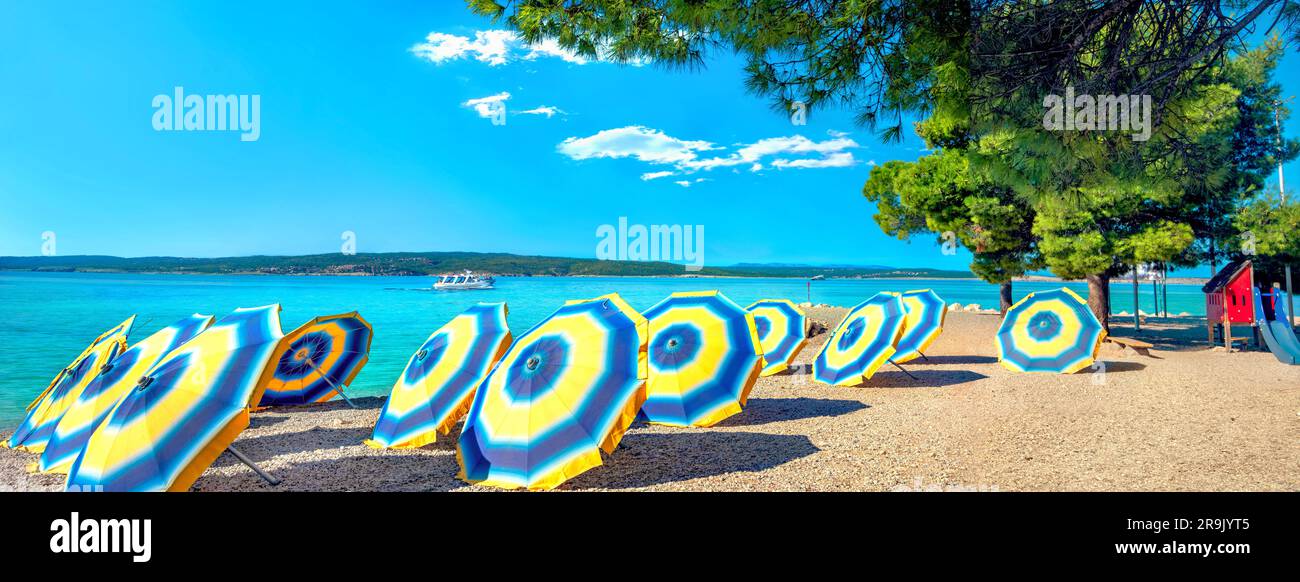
x=368 y=124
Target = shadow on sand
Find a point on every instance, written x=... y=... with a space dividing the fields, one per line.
x=939 y=360
x=388 y=472
x=260 y=420
x=1115 y=366
x=362 y=469
x=764 y=410
x=315 y=438
x=645 y=459
x=363 y=403
x=1170 y=333
x=641 y=460
x=892 y=378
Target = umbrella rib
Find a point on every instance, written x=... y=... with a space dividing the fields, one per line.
x=331 y=383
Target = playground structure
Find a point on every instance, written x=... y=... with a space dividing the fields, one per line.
x=1231 y=296
x=1228 y=300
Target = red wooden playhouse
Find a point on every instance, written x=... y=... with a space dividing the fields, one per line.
x=1229 y=299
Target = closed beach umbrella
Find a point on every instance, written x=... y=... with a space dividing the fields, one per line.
x=925 y=314
x=565 y=390
x=862 y=342
x=704 y=359
x=1049 y=331
x=36 y=429
x=114 y=382
x=183 y=412
x=782 y=331
x=317 y=360
x=437 y=386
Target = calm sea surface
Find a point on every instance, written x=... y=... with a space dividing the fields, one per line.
x=50 y=317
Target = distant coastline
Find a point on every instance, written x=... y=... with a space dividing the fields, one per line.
x=1113 y=281
x=495 y=264
x=435 y=263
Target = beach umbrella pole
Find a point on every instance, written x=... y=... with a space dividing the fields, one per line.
x=901 y=369
x=332 y=384
x=251 y=465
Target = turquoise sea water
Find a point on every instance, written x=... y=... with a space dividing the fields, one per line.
x=48 y=318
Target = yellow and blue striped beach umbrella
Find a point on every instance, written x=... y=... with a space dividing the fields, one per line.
x=113 y=334
x=782 y=330
x=114 y=382
x=862 y=342
x=925 y=316
x=704 y=357
x=183 y=412
x=1049 y=331
x=437 y=386
x=37 y=428
x=312 y=363
x=565 y=391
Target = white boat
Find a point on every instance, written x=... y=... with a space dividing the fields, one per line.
x=464 y=281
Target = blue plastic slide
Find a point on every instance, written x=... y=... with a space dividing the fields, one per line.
x=1280 y=316
x=1278 y=336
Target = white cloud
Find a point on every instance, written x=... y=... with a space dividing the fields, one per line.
x=487 y=106
x=834 y=160
x=551 y=48
x=548 y=110
x=488 y=46
x=496 y=47
x=634 y=141
x=654 y=147
x=683 y=183
x=795 y=144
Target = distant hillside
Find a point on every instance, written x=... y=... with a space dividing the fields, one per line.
x=805 y=265
x=435 y=263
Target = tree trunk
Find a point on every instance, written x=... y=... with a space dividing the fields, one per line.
x=1099 y=298
x=1214 y=264
x=1004 y=296
x=1137 y=307
x=1164 y=288
x=1155 y=296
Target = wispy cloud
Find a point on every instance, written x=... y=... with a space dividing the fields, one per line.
x=495 y=47
x=654 y=147
x=832 y=160
x=548 y=110
x=486 y=107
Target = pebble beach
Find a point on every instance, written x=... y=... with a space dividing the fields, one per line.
x=1187 y=417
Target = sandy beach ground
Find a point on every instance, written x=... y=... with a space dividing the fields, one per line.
x=1187 y=418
